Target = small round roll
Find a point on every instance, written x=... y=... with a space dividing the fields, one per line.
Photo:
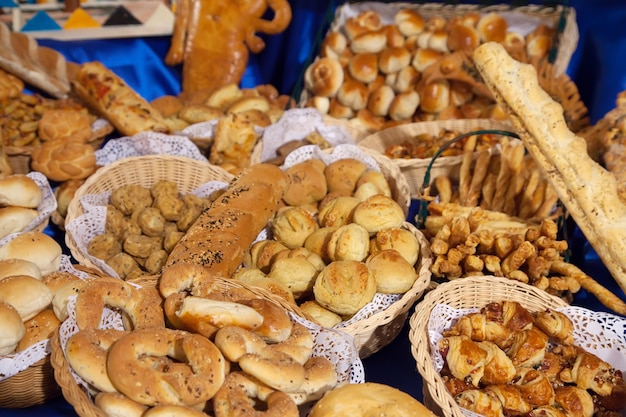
x=15 y=219
x=324 y=77
x=343 y=174
x=363 y=67
x=377 y=213
x=394 y=59
x=307 y=183
x=20 y=190
x=11 y=328
x=463 y=38
x=424 y=58
x=380 y=100
x=322 y=315
x=409 y=22
x=344 y=287
x=39 y=328
x=15 y=266
x=435 y=96
x=26 y=294
x=349 y=242
x=393 y=274
x=399 y=239
x=353 y=94
x=370 y=41
x=334 y=44
x=492 y=27
x=36 y=247
x=115 y=404
x=293 y=225
x=404 y=105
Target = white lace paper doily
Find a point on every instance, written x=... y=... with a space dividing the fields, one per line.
x=13 y=364
x=47 y=206
x=147 y=143
x=332 y=344
x=295 y=124
x=92 y=222
x=600 y=333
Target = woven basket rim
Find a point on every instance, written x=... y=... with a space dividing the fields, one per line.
x=125 y=165
x=463 y=289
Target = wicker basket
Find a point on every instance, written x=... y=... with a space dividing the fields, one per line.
x=34 y=385
x=140 y=170
x=81 y=400
x=464 y=293
x=381 y=328
x=414 y=170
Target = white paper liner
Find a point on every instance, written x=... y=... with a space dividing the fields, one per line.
x=147 y=143
x=600 y=333
x=13 y=364
x=92 y=222
x=337 y=346
x=46 y=207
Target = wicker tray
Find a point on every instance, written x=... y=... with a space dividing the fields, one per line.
x=464 y=293
x=141 y=170
x=413 y=169
x=82 y=401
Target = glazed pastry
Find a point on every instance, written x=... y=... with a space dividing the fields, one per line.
x=528 y=348
x=480 y=402
x=499 y=369
x=591 y=372
x=465 y=358
x=556 y=325
x=477 y=327
x=534 y=386
x=575 y=401
x=513 y=403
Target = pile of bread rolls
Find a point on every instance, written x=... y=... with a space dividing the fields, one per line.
x=29 y=280
x=377 y=73
x=20 y=197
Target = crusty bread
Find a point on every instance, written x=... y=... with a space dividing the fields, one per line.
x=588 y=191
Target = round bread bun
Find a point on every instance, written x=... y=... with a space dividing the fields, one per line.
x=12 y=328
x=338 y=110
x=295 y=273
x=333 y=45
x=380 y=100
x=56 y=280
x=39 y=328
x=307 y=183
x=64 y=193
x=167 y=105
x=400 y=239
x=262 y=254
x=377 y=213
x=492 y=27
x=15 y=266
x=395 y=38
x=353 y=94
x=463 y=38
x=293 y=225
x=393 y=274
x=409 y=22
x=36 y=247
x=26 y=294
x=343 y=174
x=324 y=77
x=404 y=105
x=377 y=178
x=424 y=58
x=363 y=67
x=406 y=79
x=20 y=190
x=115 y=404
x=365 y=120
x=321 y=315
x=349 y=242
x=14 y=219
x=62 y=295
x=369 y=399
x=317 y=242
x=435 y=96
x=344 y=287
x=322 y=104
x=337 y=212
x=372 y=41
x=438 y=41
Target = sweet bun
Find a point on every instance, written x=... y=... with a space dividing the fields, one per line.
x=349 y=242
x=296 y=273
x=115 y=404
x=39 y=328
x=59 y=160
x=406 y=79
x=36 y=247
x=26 y=294
x=56 y=280
x=338 y=110
x=463 y=38
x=363 y=67
x=393 y=274
x=438 y=41
x=492 y=27
x=377 y=213
x=307 y=183
x=322 y=104
x=370 y=41
x=19 y=190
x=399 y=239
x=320 y=314
x=12 y=328
x=66 y=124
x=15 y=219
x=424 y=58
x=353 y=94
x=363 y=22
x=343 y=174
x=337 y=212
x=394 y=59
x=376 y=178
x=368 y=399
x=344 y=287
x=334 y=44
x=380 y=100
x=324 y=77
x=367 y=121
x=404 y=105
x=293 y=225
x=395 y=38
x=435 y=96
x=15 y=266
x=409 y=22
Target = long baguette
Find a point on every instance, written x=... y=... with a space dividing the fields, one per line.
x=587 y=189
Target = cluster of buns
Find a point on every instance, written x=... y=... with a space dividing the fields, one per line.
x=29 y=281
x=338 y=239
x=20 y=197
x=203 y=350
x=378 y=73
x=237 y=112
x=504 y=360
x=143 y=224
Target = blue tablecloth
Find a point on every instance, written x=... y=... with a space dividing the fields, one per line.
x=598 y=68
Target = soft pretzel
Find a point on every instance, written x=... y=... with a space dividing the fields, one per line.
x=234 y=399
x=320 y=376
x=193 y=384
x=86 y=353
x=172 y=411
x=142 y=305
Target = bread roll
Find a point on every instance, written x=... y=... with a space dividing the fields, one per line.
x=409 y=22
x=320 y=314
x=399 y=239
x=26 y=294
x=36 y=247
x=380 y=100
x=338 y=110
x=293 y=225
x=371 y=41
x=367 y=121
x=344 y=287
x=11 y=328
x=463 y=38
x=62 y=296
x=343 y=174
x=377 y=213
x=324 y=77
x=15 y=219
x=395 y=38
x=56 y=280
x=15 y=266
x=394 y=59
x=19 y=190
x=334 y=44
x=114 y=404
x=262 y=254
x=406 y=79
x=349 y=242
x=492 y=27
x=363 y=67
x=307 y=183
x=295 y=273
x=317 y=242
x=424 y=58
x=337 y=212
x=393 y=274
x=435 y=96
x=61 y=161
x=404 y=105
x=39 y=328
x=353 y=94
x=368 y=399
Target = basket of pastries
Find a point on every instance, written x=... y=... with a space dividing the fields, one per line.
x=126 y=217
x=417 y=147
x=192 y=342
x=35 y=281
x=381 y=64
x=341 y=224
x=489 y=346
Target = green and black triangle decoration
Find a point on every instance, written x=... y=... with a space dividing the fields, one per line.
x=121 y=17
